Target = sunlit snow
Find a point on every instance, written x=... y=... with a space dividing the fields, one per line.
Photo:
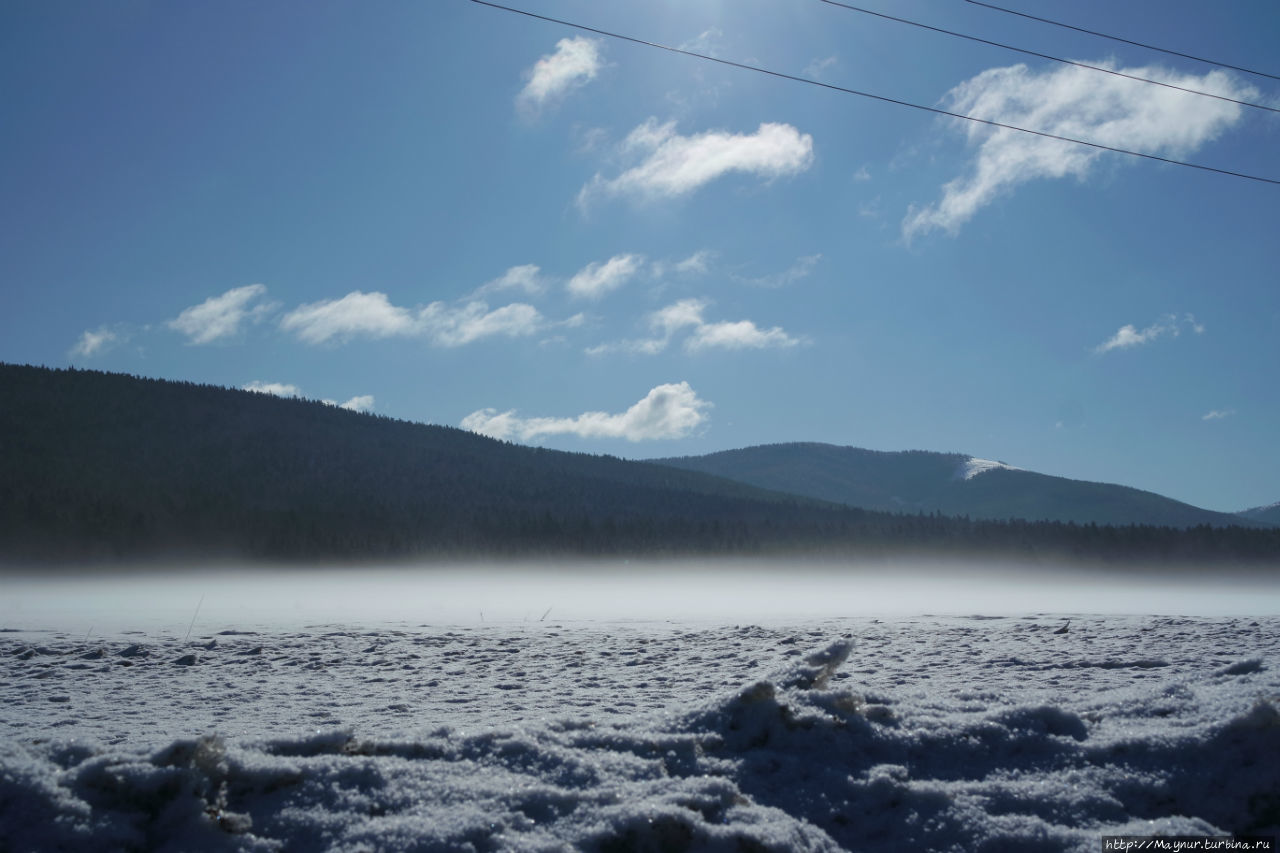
x=636 y=708
x=973 y=466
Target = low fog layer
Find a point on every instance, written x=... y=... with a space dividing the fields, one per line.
x=757 y=591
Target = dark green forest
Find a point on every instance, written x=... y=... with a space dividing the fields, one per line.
x=99 y=467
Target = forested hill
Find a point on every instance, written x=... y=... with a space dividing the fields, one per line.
x=107 y=466
x=949 y=483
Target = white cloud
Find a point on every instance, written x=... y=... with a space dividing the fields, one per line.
x=95 y=342
x=575 y=62
x=674 y=165
x=356 y=314
x=1128 y=335
x=220 y=316
x=455 y=326
x=687 y=314
x=667 y=411
x=1077 y=103
x=1217 y=414
x=278 y=389
x=742 y=334
x=526 y=277
x=372 y=315
x=595 y=280
x=363 y=403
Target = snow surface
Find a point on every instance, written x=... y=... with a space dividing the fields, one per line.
x=909 y=732
x=973 y=466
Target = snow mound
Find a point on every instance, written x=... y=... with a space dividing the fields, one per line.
x=973 y=466
x=789 y=762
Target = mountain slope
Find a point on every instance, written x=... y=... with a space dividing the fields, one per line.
x=1269 y=514
x=953 y=484
x=97 y=464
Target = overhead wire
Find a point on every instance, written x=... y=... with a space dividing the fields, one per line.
x=871 y=95
x=1047 y=56
x=1124 y=40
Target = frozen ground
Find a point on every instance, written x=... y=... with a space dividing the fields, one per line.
x=878 y=730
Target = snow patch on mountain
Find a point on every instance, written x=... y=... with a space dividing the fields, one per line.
x=973 y=466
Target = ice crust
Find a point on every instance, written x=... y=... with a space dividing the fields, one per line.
x=926 y=734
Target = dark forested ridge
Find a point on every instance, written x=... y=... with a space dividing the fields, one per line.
x=921 y=481
x=98 y=466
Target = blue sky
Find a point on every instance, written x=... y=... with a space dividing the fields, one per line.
x=447 y=213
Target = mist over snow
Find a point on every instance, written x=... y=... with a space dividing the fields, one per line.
x=692 y=591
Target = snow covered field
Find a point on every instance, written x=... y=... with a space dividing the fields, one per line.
x=779 y=712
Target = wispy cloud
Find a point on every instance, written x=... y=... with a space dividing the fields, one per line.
x=597 y=279
x=526 y=277
x=372 y=315
x=802 y=268
x=666 y=412
x=575 y=62
x=819 y=69
x=686 y=315
x=1129 y=336
x=455 y=326
x=1217 y=414
x=672 y=165
x=1077 y=103
x=96 y=342
x=707 y=42
x=220 y=317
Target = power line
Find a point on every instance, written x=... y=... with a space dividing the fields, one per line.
x=883 y=98
x=1123 y=40
x=1047 y=56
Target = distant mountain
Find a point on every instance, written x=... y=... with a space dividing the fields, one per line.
x=1269 y=514
x=99 y=466
x=949 y=483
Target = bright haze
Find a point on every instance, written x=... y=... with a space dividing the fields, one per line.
x=718 y=592
x=449 y=213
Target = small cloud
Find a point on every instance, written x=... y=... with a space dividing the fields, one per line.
x=95 y=342
x=363 y=403
x=276 y=389
x=1217 y=414
x=687 y=314
x=818 y=69
x=666 y=412
x=742 y=334
x=595 y=280
x=357 y=314
x=862 y=175
x=526 y=277
x=1129 y=336
x=221 y=316
x=1073 y=102
x=699 y=263
x=576 y=61
x=673 y=165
